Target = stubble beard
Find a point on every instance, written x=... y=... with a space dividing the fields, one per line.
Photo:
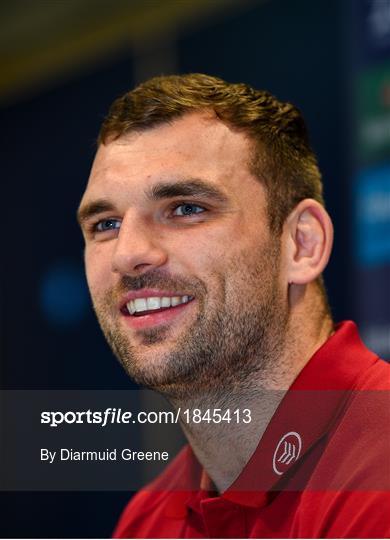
x=227 y=346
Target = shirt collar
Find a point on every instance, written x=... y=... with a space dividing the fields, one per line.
x=306 y=413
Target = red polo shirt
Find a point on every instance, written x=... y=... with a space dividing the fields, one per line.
x=321 y=469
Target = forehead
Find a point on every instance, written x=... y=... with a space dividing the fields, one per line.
x=197 y=145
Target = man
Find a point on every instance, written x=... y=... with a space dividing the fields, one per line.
x=206 y=237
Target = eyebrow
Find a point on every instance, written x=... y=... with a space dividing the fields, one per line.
x=93 y=208
x=162 y=190
x=185 y=188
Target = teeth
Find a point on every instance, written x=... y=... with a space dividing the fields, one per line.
x=155 y=302
x=165 y=301
x=140 y=304
x=130 y=307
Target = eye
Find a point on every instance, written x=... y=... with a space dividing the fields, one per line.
x=187 y=209
x=106 y=225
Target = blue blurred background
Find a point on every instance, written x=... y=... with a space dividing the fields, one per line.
x=64 y=62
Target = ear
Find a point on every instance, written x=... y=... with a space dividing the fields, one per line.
x=309 y=237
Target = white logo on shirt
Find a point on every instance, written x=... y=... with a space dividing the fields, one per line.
x=288 y=450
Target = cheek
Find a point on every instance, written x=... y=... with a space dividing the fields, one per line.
x=200 y=256
x=212 y=259
x=214 y=253
x=98 y=269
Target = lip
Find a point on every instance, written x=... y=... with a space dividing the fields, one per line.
x=152 y=319
x=156 y=319
x=145 y=293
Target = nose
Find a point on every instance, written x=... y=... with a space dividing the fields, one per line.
x=137 y=248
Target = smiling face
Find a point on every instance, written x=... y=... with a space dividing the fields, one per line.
x=185 y=277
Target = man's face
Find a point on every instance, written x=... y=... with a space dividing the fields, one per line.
x=185 y=277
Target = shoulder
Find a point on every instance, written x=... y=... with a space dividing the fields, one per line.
x=363 y=431
x=357 y=447
x=345 y=514
x=350 y=487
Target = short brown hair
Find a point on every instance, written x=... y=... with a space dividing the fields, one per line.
x=282 y=158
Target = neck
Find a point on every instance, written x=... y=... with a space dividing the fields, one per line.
x=224 y=447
